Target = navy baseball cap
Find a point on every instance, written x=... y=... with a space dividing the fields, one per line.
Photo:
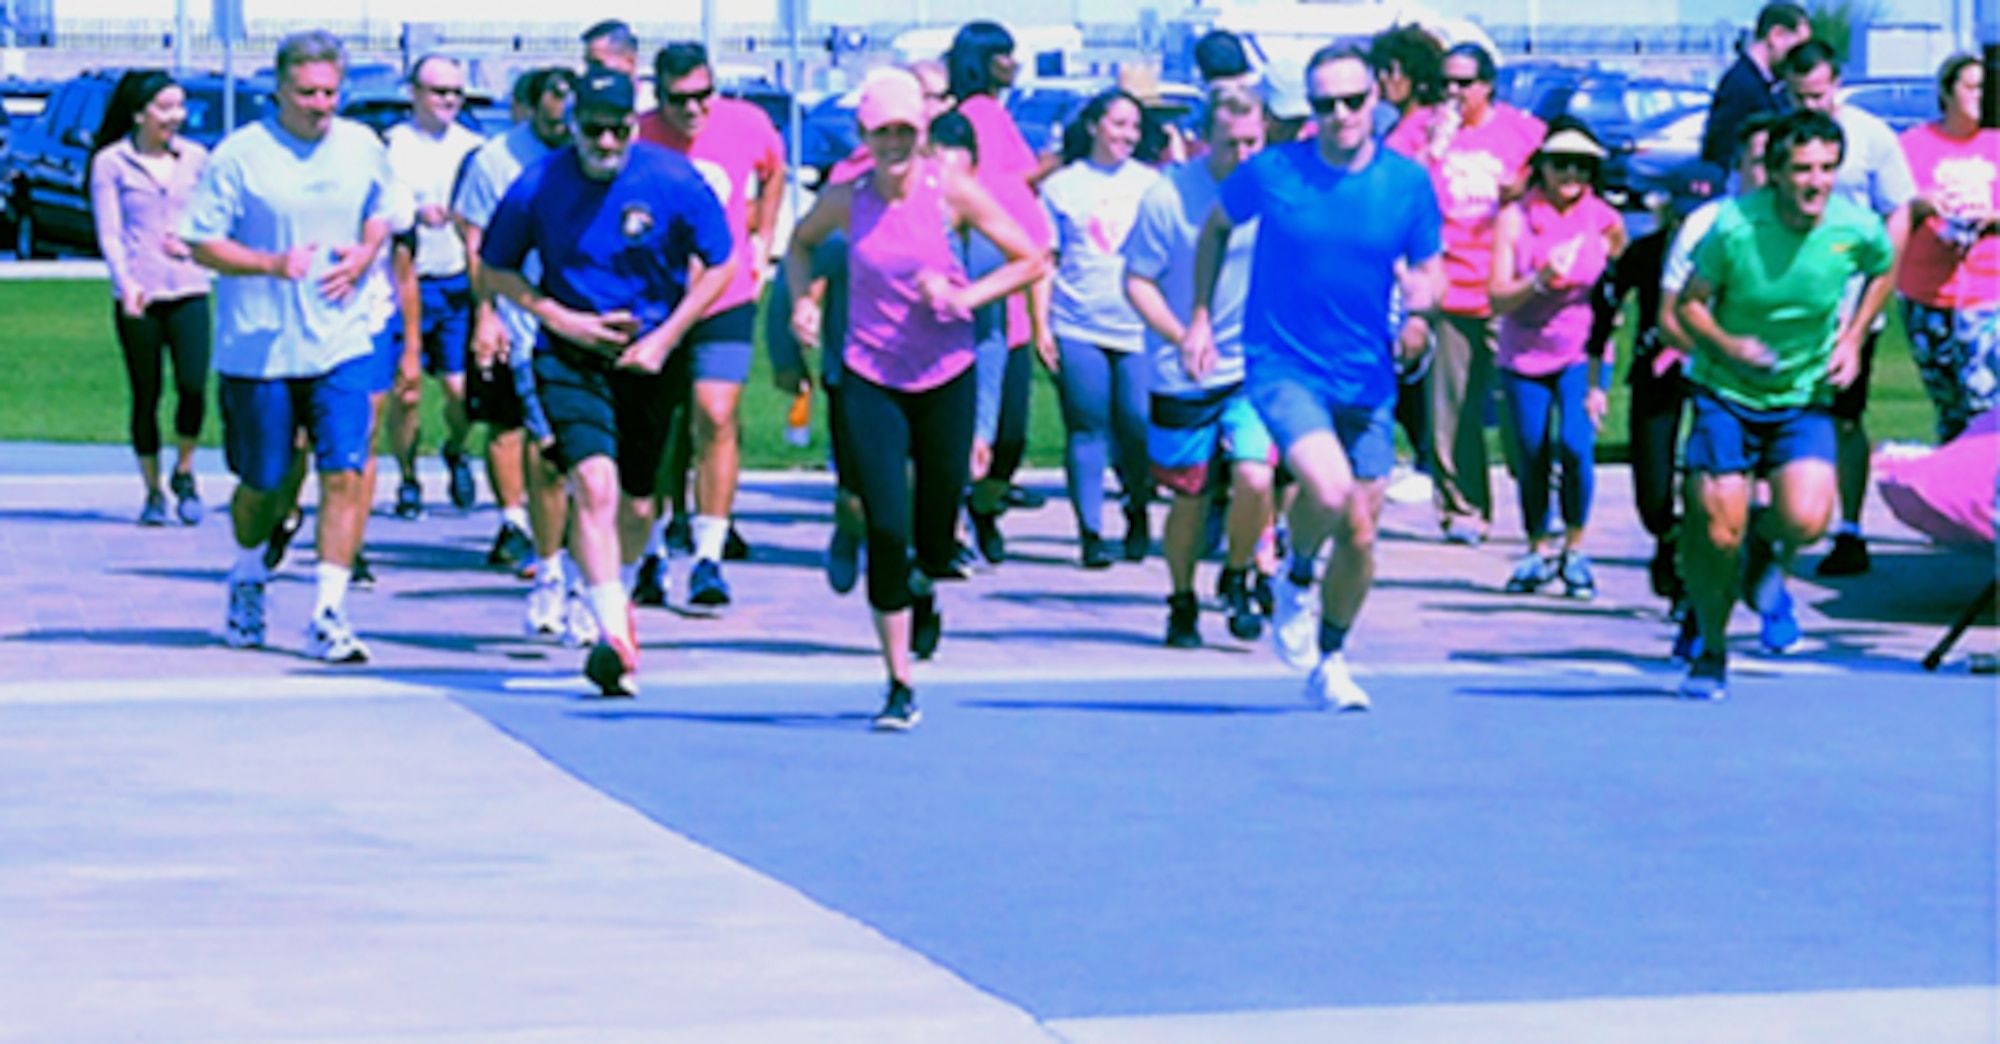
x=1692 y=184
x=604 y=90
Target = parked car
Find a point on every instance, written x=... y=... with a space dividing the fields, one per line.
x=1616 y=107
x=1662 y=144
x=382 y=106
x=827 y=135
x=1901 y=103
x=47 y=173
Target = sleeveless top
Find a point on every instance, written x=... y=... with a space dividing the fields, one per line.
x=1548 y=334
x=894 y=337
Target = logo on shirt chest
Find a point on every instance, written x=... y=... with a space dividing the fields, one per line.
x=635 y=221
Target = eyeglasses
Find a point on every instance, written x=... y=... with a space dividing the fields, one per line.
x=1332 y=104
x=593 y=130
x=682 y=99
x=1461 y=81
x=444 y=92
x=1571 y=164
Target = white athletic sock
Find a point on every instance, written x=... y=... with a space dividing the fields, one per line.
x=608 y=604
x=550 y=570
x=710 y=534
x=516 y=517
x=333 y=581
x=249 y=567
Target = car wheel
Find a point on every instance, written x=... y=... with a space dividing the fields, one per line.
x=26 y=244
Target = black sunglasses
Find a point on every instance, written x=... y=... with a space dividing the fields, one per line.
x=1329 y=104
x=681 y=98
x=1574 y=164
x=1462 y=81
x=448 y=92
x=593 y=130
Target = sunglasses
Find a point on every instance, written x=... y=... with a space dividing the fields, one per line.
x=1332 y=104
x=1572 y=164
x=593 y=130
x=686 y=98
x=1461 y=81
x=446 y=92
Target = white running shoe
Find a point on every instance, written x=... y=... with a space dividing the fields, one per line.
x=545 y=612
x=580 y=629
x=1410 y=486
x=1294 y=622
x=331 y=640
x=1331 y=686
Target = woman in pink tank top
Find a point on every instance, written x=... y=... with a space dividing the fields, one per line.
x=1549 y=250
x=907 y=397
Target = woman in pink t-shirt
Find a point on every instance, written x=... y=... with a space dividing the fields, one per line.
x=1477 y=151
x=1549 y=250
x=1950 y=275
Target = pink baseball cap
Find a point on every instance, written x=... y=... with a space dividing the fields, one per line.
x=890 y=96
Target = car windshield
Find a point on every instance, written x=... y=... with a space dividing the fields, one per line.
x=204 y=112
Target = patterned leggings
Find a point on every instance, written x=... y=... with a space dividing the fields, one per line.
x=1957 y=352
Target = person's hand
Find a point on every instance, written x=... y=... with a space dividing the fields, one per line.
x=1755 y=353
x=337 y=283
x=433 y=215
x=1596 y=402
x=408 y=386
x=132 y=302
x=806 y=321
x=293 y=264
x=489 y=339
x=648 y=354
x=1047 y=350
x=982 y=458
x=1412 y=341
x=175 y=247
x=1198 y=353
x=607 y=334
x=945 y=296
x=1845 y=364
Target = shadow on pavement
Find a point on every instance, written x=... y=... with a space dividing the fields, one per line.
x=790 y=720
x=65 y=515
x=137 y=637
x=1123 y=707
x=1544 y=692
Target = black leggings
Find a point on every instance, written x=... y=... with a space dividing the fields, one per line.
x=180 y=327
x=1658 y=404
x=1010 y=439
x=886 y=432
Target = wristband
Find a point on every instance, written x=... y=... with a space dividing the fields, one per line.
x=1604 y=375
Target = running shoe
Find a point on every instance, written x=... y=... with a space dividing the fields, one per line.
x=1707 y=678
x=409 y=500
x=734 y=547
x=1138 y=534
x=1664 y=571
x=1410 y=486
x=1763 y=579
x=187 y=499
x=362 y=576
x=1260 y=593
x=1778 y=629
x=706 y=585
x=1578 y=581
x=963 y=565
x=329 y=639
x=281 y=540
x=1464 y=534
x=613 y=667
x=680 y=535
x=545 y=612
x=1331 y=686
x=1183 y=621
x=464 y=493
x=1531 y=572
x=154 y=514
x=1295 y=623
x=926 y=626
x=580 y=628
x=1024 y=498
x=1687 y=640
x=1095 y=555
x=899 y=711
x=986 y=534
x=511 y=547
x=651 y=587
x=1849 y=557
x=1245 y=623
x=843 y=561
x=244 y=627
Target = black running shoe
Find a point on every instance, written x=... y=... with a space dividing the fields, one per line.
x=1024 y=498
x=361 y=576
x=1183 y=621
x=409 y=500
x=281 y=540
x=899 y=712
x=651 y=587
x=735 y=548
x=1849 y=557
x=464 y=493
x=1244 y=621
x=926 y=627
x=1095 y=555
x=706 y=587
x=986 y=533
x=1138 y=534
x=511 y=547
x=187 y=499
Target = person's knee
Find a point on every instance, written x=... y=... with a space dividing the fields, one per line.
x=596 y=482
x=1255 y=480
x=1354 y=525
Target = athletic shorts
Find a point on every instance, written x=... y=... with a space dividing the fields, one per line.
x=491 y=397
x=597 y=411
x=261 y=418
x=534 y=419
x=1730 y=439
x=1850 y=402
x=446 y=323
x=386 y=358
x=721 y=345
x=1187 y=436
x=1292 y=409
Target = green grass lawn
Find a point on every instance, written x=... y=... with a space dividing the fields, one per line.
x=66 y=383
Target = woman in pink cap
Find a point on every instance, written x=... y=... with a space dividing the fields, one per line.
x=908 y=392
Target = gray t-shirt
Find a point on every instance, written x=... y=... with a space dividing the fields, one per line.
x=1162 y=248
x=1874 y=174
x=489 y=172
x=1092 y=210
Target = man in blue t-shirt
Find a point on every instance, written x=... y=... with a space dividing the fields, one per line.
x=617 y=225
x=1337 y=216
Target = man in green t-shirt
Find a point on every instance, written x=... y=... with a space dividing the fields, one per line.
x=1771 y=348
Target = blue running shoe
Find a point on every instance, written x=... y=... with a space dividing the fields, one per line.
x=1687 y=643
x=1763 y=580
x=1707 y=679
x=1780 y=627
x=706 y=586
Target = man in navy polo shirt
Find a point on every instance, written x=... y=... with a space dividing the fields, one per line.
x=616 y=224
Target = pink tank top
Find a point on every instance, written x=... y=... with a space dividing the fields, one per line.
x=1548 y=334
x=894 y=337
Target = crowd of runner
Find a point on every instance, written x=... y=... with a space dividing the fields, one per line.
x=1237 y=317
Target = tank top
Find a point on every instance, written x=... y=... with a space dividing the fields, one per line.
x=894 y=338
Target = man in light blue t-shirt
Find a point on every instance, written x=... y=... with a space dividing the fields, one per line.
x=1337 y=216
x=1200 y=410
x=291 y=212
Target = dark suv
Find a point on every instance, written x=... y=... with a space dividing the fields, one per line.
x=1617 y=109
x=47 y=174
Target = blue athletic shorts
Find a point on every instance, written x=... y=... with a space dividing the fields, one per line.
x=721 y=345
x=1293 y=409
x=1728 y=439
x=383 y=361
x=446 y=324
x=1187 y=436
x=261 y=417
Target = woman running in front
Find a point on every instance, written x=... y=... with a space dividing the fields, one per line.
x=1548 y=251
x=907 y=395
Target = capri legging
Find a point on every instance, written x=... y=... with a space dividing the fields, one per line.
x=180 y=328
x=1010 y=438
x=1532 y=400
x=888 y=435
x=1659 y=401
x=1105 y=401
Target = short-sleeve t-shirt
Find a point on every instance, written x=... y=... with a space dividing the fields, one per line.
x=428 y=166
x=738 y=148
x=270 y=191
x=488 y=174
x=1006 y=164
x=1873 y=173
x=1784 y=288
x=1092 y=210
x=1327 y=246
x=1469 y=173
x=1961 y=176
x=1162 y=248
x=1549 y=332
x=610 y=245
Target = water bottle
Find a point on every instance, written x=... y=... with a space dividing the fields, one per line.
x=798 y=422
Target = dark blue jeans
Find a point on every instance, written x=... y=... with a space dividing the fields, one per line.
x=1542 y=441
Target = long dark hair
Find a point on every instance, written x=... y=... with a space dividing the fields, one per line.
x=971 y=55
x=1081 y=132
x=136 y=90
